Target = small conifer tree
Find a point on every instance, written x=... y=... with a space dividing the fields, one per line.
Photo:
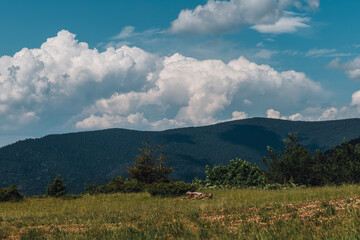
x=57 y=188
x=149 y=166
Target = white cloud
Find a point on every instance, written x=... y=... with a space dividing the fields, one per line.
x=247 y=102
x=225 y=16
x=271 y=113
x=351 y=68
x=63 y=74
x=228 y=16
x=290 y=52
x=188 y=91
x=265 y=54
x=108 y=121
x=239 y=115
x=329 y=114
x=319 y=52
x=66 y=81
x=296 y=117
x=314 y=4
x=283 y=25
x=355 y=99
x=126 y=32
x=317 y=113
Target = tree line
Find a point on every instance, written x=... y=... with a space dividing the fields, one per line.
x=295 y=165
x=298 y=164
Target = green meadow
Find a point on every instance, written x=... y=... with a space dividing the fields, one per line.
x=298 y=213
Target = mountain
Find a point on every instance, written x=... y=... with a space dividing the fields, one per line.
x=96 y=156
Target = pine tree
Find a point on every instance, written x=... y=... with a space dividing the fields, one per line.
x=57 y=188
x=149 y=166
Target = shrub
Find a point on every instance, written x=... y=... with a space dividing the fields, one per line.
x=10 y=194
x=114 y=186
x=133 y=186
x=57 y=188
x=170 y=189
x=238 y=173
x=117 y=185
x=91 y=188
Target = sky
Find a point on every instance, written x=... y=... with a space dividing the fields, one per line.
x=79 y=65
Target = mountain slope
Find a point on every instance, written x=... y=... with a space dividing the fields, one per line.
x=96 y=156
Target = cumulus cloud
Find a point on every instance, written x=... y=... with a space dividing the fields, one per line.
x=351 y=68
x=355 y=99
x=266 y=16
x=320 y=114
x=329 y=114
x=271 y=113
x=326 y=113
x=239 y=115
x=63 y=74
x=66 y=82
x=188 y=91
x=296 y=117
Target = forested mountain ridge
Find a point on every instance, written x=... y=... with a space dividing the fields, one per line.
x=96 y=156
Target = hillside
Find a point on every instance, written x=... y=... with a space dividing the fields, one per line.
x=96 y=156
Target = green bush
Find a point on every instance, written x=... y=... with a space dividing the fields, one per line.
x=117 y=185
x=238 y=173
x=133 y=186
x=10 y=194
x=170 y=189
x=114 y=186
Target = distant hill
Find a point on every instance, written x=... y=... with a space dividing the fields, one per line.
x=96 y=156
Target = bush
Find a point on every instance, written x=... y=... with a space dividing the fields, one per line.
x=170 y=189
x=91 y=188
x=57 y=188
x=238 y=174
x=10 y=194
x=117 y=185
x=133 y=186
x=114 y=186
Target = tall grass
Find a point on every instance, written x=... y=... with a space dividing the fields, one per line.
x=232 y=214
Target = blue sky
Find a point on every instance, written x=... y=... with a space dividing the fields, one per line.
x=81 y=65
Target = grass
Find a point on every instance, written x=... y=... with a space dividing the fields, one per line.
x=310 y=213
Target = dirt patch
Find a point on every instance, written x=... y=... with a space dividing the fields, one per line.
x=318 y=211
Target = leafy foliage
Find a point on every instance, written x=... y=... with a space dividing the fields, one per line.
x=118 y=185
x=170 y=189
x=10 y=194
x=57 y=188
x=297 y=164
x=238 y=173
x=342 y=164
